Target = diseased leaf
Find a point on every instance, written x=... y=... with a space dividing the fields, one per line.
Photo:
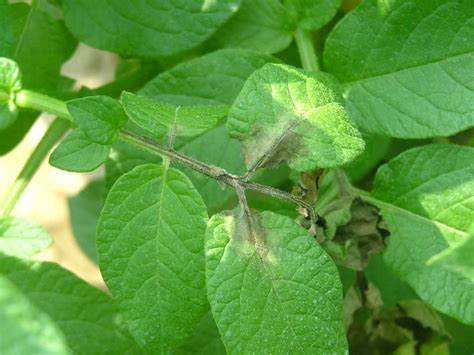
x=25 y=329
x=459 y=258
x=78 y=153
x=150 y=239
x=100 y=117
x=406 y=66
x=84 y=211
x=10 y=82
x=333 y=201
x=312 y=14
x=85 y=315
x=205 y=340
x=271 y=287
x=161 y=118
x=425 y=196
x=151 y=29
x=19 y=237
x=260 y=25
x=215 y=78
x=285 y=115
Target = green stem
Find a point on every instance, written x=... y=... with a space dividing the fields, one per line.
x=50 y=138
x=40 y=102
x=34 y=101
x=304 y=42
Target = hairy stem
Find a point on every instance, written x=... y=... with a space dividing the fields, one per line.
x=214 y=172
x=29 y=99
x=304 y=42
x=50 y=138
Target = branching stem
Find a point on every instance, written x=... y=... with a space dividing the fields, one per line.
x=32 y=100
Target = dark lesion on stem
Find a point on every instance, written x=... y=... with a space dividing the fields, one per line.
x=32 y=100
x=239 y=183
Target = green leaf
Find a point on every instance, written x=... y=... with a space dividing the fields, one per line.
x=22 y=238
x=25 y=329
x=271 y=287
x=459 y=258
x=215 y=78
x=376 y=147
x=78 y=153
x=26 y=32
x=287 y=115
x=38 y=42
x=161 y=118
x=84 y=211
x=406 y=73
x=86 y=316
x=267 y=26
x=425 y=197
x=205 y=339
x=150 y=240
x=10 y=82
x=392 y=289
x=152 y=29
x=100 y=117
x=312 y=14
x=124 y=157
x=10 y=76
x=260 y=25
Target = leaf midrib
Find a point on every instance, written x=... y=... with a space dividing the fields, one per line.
x=157 y=234
x=24 y=29
x=270 y=278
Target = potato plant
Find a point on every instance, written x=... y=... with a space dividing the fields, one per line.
x=281 y=176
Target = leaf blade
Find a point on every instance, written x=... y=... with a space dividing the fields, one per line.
x=376 y=59
x=25 y=328
x=286 y=115
x=264 y=287
x=424 y=196
x=71 y=303
x=99 y=117
x=161 y=118
x=166 y=219
x=145 y=28
x=22 y=238
x=77 y=153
